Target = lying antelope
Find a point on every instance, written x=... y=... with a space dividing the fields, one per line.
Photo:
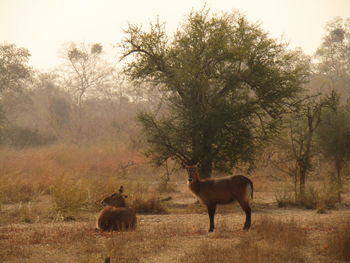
x=116 y=216
x=221 y=191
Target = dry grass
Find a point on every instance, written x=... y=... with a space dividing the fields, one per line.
x=179 y=238
x=338 y=242
x=148 y=204
x=14 y=189
x=75 y=178
x=41 y=188
x=270 y=240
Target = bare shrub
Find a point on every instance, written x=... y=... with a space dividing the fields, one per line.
x=328 y=197
x=315 y=197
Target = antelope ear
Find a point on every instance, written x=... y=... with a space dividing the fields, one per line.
x=121 y=189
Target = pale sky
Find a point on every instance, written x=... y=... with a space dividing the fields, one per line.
x=43 y=26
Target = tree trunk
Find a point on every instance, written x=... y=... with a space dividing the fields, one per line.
x=295 y=174
x=206 y=168
x=339 y=166
x=302 y=175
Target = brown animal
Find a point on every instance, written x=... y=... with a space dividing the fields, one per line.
x=221 y=191
x=116 y=216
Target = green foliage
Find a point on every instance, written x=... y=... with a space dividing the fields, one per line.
x=334 y=140
x=334 y=135
x=224 y=82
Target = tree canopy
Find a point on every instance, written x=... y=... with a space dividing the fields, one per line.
x=333 y=55
x=13 y=67
x=225 y=84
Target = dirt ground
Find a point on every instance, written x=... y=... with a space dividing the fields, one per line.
x=180 y=236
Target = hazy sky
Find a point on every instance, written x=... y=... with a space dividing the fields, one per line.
x=43 y=26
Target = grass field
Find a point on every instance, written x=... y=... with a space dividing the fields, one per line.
x=49 y=203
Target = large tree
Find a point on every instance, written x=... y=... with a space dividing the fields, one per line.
x=224 y=82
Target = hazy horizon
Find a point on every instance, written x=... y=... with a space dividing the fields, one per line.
x=43 y=26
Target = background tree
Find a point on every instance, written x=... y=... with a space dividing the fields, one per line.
x=13 y=67
x=334 y=56
x=14 y=72
x=334 y=139
x=225 y=85
x=302 y=128
x=85 y=74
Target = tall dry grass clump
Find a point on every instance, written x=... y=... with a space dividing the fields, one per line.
x=70 y=195
x=74 y=177
x=321 y=197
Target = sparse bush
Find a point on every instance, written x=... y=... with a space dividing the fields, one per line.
x=320 y=198
x=310 y=198
x=316 y=197
x=26 y=213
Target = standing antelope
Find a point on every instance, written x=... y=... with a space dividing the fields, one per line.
x=221 y=191
x=116 y=216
